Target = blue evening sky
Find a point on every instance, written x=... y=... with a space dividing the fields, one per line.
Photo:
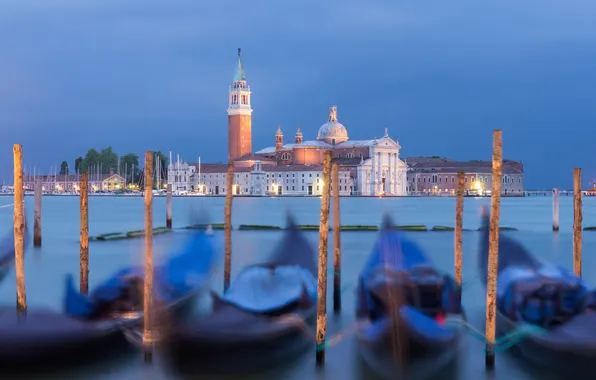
x=441 y=75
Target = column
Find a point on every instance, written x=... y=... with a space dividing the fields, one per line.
x=380 y=174
x=398 y=182
x=372 y=173
x=389 y=175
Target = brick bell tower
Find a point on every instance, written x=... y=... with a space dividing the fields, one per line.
x=239 y=116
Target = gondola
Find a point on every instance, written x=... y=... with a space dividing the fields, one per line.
x=264 y=320
x=92 y=324
x=551 y=311
x=402 y=306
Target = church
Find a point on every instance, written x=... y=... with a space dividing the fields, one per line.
x=366 y=167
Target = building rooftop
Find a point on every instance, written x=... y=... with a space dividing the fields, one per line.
x=448 y=165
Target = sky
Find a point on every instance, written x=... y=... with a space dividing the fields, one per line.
x=141 y=75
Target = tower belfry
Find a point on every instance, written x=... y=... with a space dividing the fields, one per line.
x=239 y=115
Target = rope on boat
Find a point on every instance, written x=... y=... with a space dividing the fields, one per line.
x=504 y=342
x=308 y=331
x=7 y=206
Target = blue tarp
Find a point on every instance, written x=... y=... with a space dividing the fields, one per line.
x=261 y=289
x=527 y=288
x=282 y=279
x=183 y=272
x=395 y=261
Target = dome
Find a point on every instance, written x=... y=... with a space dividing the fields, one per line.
x=332 y=132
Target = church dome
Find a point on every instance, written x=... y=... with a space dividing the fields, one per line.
x=332 y=132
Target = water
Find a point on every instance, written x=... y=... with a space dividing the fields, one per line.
x=46 y=267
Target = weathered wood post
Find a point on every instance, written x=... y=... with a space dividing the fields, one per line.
x=169 y=206
x=336 y=240
x=493 y=249
x=228 y=226
x=459 y=211
x=37 y=213
x=84 y=236
x=322 y=270
x=555 y=209
x=148 y=289
x=577 y=221
x=19 y=229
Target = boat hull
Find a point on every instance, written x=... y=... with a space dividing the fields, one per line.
x=416 y=360
x=552 y=354
x=266 y=343
x=49 y=340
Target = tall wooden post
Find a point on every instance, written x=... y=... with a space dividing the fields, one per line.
x=228 y=226
x=336 y=240
x=37 y=213
x=577 y=221
x=84 y=237
x=493 y=249
x=322 y=271
x=555 y=209
x=19 y=229
x=169 y=206
x=148 y=290
x=459 y=225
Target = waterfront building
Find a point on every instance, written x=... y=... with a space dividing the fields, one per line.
x=438 y=176
x=71 y=182
x=367 y=167
x=181 y=175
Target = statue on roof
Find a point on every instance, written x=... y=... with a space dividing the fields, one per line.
x=333 y=114
x=386 y=131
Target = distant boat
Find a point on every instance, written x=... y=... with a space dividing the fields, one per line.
x=402 y=305
x=555 y=309
x=264 y=320
x=93 y=324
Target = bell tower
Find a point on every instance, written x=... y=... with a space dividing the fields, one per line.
x=279 y=139
x=298 y=137
x=239 y=116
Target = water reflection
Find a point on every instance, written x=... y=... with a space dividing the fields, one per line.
x=47 y=266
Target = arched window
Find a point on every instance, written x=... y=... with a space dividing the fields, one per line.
x=286 y=156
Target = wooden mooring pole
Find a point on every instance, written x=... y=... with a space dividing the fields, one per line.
x=169 y=206
x=19 y=229
x=577 y=222
x=555 y=209
x=37 y=213
x=336 y=240
x=322 y=270
x=459 y=217
x=228 y=226
x=84 y=236
x=493 y=249
x=148 y=289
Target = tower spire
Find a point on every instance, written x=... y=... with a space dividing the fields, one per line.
x=240 y=70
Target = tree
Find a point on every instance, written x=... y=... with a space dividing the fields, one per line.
x=64 y=168
x=108 y=160
x=91 y=159
x=77 y=164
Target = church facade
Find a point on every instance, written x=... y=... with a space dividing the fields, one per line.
x=367 y=167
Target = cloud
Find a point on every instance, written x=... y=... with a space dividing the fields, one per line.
x=144 y=73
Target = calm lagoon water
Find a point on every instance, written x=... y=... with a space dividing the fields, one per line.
x=46 y=267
